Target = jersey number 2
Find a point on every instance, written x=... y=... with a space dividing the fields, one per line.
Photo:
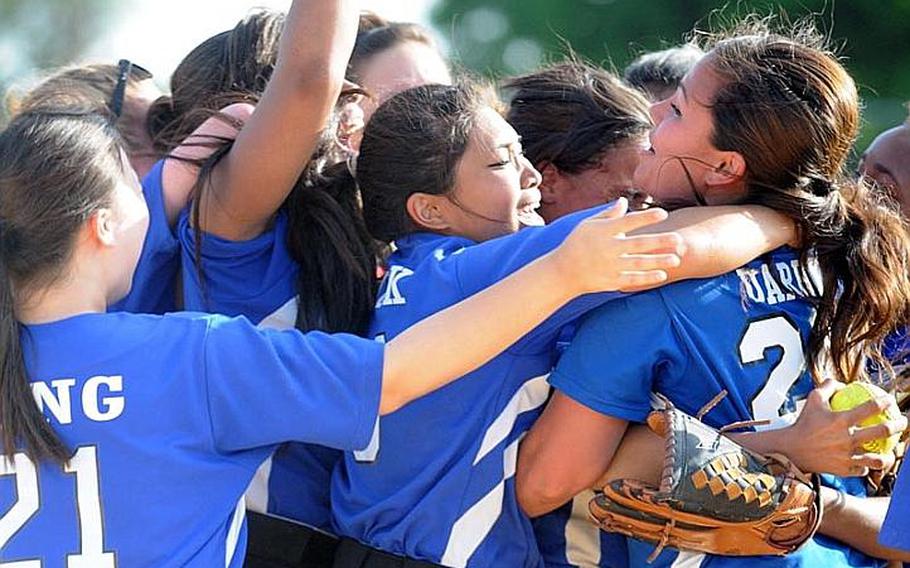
x=84 y=464
x=760 y=336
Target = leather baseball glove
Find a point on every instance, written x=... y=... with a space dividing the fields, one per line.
x=714 y=496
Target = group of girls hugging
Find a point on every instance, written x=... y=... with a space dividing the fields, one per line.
x=325 y=305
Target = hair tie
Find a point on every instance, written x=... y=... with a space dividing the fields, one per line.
x=818 y=186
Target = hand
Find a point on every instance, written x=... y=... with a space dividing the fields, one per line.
x=825 y=441
x=598 y=256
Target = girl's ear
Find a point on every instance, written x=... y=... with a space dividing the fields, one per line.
x=101 y=227
x=428 y=211
x=731 y=170
x=552 y=183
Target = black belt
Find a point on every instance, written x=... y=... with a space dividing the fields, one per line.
x=275 y=542
x=353 y=554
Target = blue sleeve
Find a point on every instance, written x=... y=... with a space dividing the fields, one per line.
x=251 y=278
x=155 y=279
x=266 y=387
x=482 y=265
x=896 y=531
x=618 y=355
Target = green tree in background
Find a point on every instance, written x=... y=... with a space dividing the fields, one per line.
x=39 y=34
x=514 y=36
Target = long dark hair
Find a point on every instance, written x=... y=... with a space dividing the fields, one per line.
x=56 y=170
x=792 y=111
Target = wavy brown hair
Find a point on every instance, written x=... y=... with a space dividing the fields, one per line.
x=791 y=109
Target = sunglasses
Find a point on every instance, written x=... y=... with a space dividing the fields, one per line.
x=126 y=69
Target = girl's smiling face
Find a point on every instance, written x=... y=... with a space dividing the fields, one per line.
x=496 y=187
x=675 y=170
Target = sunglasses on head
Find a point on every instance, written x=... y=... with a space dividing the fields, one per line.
x=126 y=69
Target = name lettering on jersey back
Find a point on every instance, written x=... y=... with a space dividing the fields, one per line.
x=778 y=282
x=392 y=295
x=96 y=399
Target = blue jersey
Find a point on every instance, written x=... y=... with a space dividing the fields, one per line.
x=155 y=280
x=744 y=332
x=444 y=492
x=896 y=530
x=255 y=278
x=567 y=538
x=168 y=419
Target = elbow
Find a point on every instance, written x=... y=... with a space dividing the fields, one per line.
x=536 y=494
x=323 y=82
x=390 y=399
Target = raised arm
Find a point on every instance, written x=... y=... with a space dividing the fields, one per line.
x=719 y=239
x=275 y=145
x=597 y=256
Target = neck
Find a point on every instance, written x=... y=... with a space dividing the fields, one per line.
x=69 y=296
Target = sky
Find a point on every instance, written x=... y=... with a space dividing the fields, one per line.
x=150 y=34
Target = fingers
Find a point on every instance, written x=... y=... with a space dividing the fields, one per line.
x=826 y=389
x=638 y=280
x=630 y=222
x=657 y=242
x=862 y=463
x=883 y=430
x=868 y=409
x=642 y=262
x=619 y=208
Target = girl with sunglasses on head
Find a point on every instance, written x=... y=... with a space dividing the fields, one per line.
x=130 y=439
x=763 y=118
x=443 y=177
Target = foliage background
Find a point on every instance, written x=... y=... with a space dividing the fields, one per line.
x=513 y=36
x=502 y=37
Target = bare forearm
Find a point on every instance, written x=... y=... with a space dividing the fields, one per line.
x=857 y=522
x=275 y=145
x=717 y=240
x=433 y=352
x=566 y=452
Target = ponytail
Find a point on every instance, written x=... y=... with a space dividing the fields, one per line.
x=336 y=283
x=56 y=169
x=862 y=246
x=21 y=421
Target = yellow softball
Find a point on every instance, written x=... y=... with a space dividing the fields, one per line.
x=856 y=394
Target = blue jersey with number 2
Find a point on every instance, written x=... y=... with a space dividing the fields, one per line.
x=744 y=332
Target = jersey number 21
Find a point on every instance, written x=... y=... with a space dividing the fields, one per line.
x=84 y=465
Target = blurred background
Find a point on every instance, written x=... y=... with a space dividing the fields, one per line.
x=495 y=37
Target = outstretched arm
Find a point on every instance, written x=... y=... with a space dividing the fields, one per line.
x=597 y=256
x=276 y=143
x=719 y=239
x=180 y=169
